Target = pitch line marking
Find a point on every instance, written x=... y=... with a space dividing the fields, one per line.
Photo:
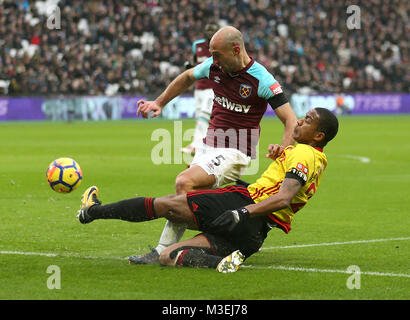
x=74 y=255
x=360 y=158
x=58 y=255
x=290 y=268
x=335 y=243
x=283 y=268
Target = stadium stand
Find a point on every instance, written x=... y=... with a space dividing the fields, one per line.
x=137 y=47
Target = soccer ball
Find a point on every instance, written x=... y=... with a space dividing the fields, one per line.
x=64 y=175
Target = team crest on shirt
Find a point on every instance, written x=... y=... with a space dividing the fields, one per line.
x=245 y=90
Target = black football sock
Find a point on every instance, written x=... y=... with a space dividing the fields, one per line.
x=133 y=210
x=196 y=257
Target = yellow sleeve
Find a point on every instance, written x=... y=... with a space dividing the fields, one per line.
x=299 y=164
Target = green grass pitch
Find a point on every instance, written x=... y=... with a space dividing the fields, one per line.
x=358 y=217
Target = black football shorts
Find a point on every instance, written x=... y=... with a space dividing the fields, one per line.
x=206 y=205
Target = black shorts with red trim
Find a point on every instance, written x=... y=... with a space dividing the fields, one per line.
x=206 y=205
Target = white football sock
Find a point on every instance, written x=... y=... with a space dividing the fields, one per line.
x=171 y=234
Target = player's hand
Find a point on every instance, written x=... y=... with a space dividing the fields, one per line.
x=188 y=65
x=230 y=219
x=145 y=107
x=274 y=151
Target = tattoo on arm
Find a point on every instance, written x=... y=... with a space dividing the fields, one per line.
x=291 y=187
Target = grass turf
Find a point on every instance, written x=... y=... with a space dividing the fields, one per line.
x=363 y=196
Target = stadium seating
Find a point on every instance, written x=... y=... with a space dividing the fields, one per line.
x=137 y=47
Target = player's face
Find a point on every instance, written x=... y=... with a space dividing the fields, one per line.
x=306 y=128
x=223 y=57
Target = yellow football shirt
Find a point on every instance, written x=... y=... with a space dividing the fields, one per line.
x=302 y=162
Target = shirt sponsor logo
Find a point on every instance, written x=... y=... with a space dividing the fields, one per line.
x=225 y=103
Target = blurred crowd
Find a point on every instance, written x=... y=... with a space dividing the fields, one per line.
x=137 y=47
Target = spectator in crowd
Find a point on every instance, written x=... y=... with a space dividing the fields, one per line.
x=141 y=45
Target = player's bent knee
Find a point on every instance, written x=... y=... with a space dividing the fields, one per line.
x=183 y=184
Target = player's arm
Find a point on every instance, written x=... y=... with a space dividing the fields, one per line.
x=280 y=104
x=287 y=116
x=180 y=84
x=176 y=87
x=288 y=190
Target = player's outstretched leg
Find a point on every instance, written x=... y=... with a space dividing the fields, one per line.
x=171 y=207
x=133 y=210
x=231 y=263
x=88 y=200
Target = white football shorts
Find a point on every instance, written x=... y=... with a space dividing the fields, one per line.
x=226 y=164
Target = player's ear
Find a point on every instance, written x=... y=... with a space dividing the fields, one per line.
x=236 y=49
x=319 y=136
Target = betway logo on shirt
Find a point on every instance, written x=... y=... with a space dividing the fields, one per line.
x=224 y=102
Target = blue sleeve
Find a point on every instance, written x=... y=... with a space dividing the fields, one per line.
x=202 y=70
x=268 y=85
x=265 y=86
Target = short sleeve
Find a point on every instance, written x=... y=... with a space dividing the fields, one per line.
x=299 y=164
x=202 y=70
x=268 y=86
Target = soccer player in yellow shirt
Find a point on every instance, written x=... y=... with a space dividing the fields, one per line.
x=236 y=219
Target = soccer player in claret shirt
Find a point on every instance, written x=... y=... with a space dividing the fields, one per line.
x=203 y=94
x=242 y=89
x=234 y=220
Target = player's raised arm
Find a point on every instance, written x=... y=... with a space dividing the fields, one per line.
x=274 y=151
x=180 y=84
x=287 y=116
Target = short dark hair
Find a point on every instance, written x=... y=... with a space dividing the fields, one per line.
x=328 y=124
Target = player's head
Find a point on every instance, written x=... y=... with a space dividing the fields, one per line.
x=210 y=30
x=317 y=128
x=227 y=49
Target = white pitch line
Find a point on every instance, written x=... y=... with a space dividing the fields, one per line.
x=360 y=158
x=335 y=243
x=56 y=255
x=75 y=255
x=30 y=253
x=290 y=268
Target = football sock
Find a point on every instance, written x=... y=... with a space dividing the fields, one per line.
x=171 y=234
x=133 y=210
x=196 y=257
